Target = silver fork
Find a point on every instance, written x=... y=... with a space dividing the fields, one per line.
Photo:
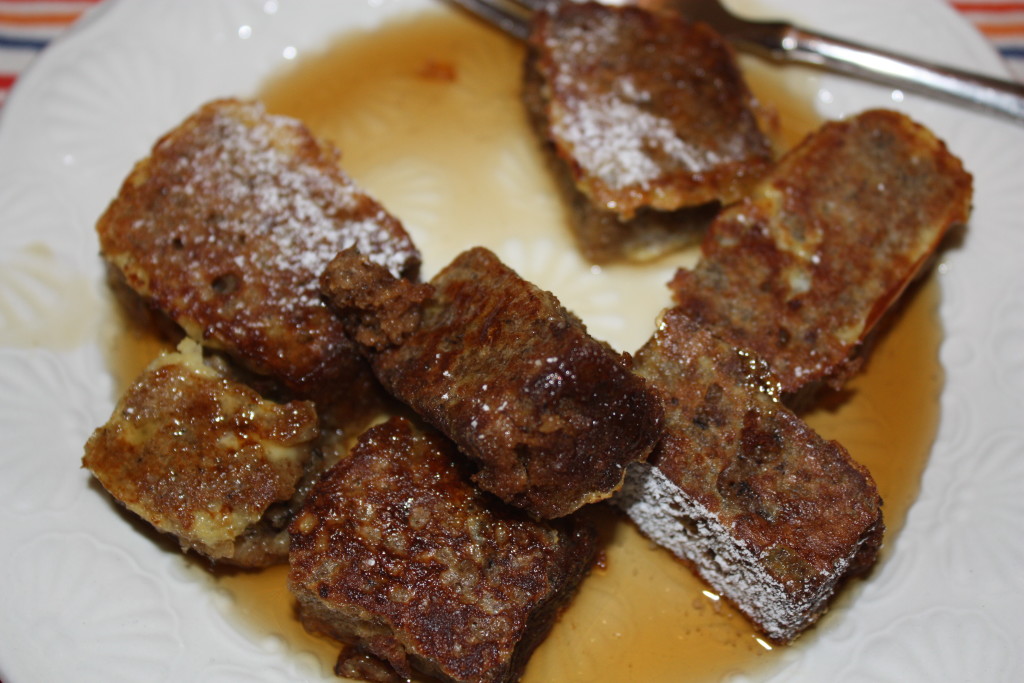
x=511 y=16
x=784 y=42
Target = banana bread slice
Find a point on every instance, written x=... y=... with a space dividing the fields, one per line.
x=395 y=554
x=550 y=415
x=205 y=458
x=226 y=227
x=770 y=514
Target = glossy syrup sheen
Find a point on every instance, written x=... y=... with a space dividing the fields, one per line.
x=426 y=113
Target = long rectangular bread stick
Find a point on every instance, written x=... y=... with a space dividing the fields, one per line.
x=769 y=513
x=550 y=416
x=802 y=269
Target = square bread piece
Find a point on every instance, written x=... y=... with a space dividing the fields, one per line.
x=801 y=270
x=767 y=512
x=644 y=114
x=397 y=555
x=226 y=227
x=206 y=459
x=550 y=415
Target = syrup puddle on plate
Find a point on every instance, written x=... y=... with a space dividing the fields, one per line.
x=426 y=113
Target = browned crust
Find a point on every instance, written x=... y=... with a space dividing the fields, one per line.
x=397 y=554
x=550 y=415
x=601 y=235
x=645 y=110
x=193 y=453
x=800 y=271
x=226 y=227
x=804 y=513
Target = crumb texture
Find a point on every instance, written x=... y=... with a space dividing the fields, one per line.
x=205 y=458
x=549 y=415
x=768 y=512
x=395 y=553
x=226 y=227
x=645 y=110
x=801 y=270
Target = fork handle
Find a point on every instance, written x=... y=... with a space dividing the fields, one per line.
x=992 y=94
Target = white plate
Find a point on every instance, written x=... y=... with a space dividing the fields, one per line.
x=86 y=597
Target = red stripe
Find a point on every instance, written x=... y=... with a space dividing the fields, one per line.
x=7 y=80
x=989 y=6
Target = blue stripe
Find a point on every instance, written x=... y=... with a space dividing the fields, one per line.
x=23 y=43
x=1012 y=51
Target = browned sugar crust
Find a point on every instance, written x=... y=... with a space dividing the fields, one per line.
x=395 y=552
x=601 y=235
x=770 y=514
x=550 y=415
x=226 y=227
x=205 y=458
x=800 y=271
x=645 y=110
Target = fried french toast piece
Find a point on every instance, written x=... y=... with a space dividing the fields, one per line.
x=550 y=415
x=645 y=115
x=397 y=555
x=205 y=458
x=801 y=270
x=226 y=227
x=770 y=514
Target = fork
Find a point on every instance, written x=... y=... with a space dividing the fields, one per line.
x=785 y=42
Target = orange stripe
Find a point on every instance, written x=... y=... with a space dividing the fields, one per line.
x=37 y=19
x=1001 y=29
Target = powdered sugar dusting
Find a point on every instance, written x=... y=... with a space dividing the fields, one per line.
x=613 y=138
x=292 y=215
x=689 y=530
x=228 y=227
x=647 y=110
x=610 y=134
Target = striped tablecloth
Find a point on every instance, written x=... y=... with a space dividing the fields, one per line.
x=1003 y=24
x=26 y=26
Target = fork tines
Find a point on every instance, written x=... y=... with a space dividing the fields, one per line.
x=511 y=16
